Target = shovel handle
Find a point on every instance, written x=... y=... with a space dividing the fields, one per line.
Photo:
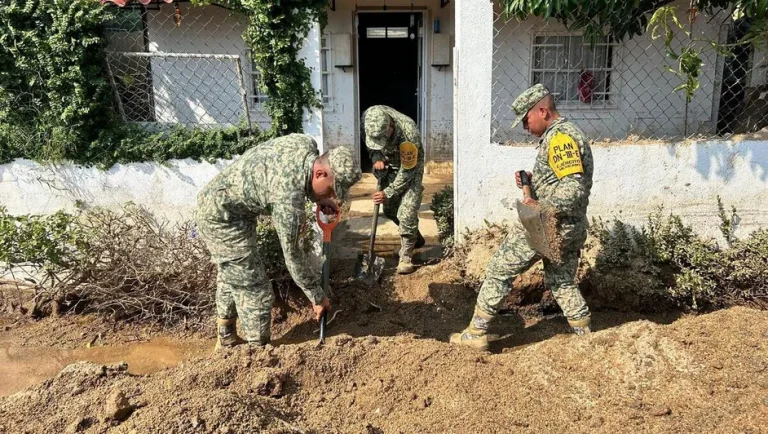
x=375 y=220
x=525 y=181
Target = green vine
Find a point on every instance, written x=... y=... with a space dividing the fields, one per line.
x=54 y=95
x=275 y=34
x=56 y=102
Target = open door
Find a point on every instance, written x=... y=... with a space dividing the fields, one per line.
x=389 y=65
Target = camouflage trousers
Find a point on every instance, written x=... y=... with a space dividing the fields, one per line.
x=515 y=256
x=404 y=212
x=243 y=289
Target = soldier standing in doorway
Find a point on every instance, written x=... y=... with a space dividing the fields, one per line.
x=394 y=143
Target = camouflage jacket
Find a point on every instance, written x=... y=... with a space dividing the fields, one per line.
x=404 y=150
x=274 y=178
x=562 y=174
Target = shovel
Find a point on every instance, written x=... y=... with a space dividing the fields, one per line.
x=327 y=227
x=369 y=267
x=538 y=233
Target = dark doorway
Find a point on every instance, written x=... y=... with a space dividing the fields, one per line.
x=389 y=65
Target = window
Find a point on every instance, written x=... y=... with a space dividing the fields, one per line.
x=257 y=97
x=573 y=70
x=325 y=67
x=386 y=32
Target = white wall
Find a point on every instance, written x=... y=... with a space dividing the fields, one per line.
x=312 y=122
x=168 y=190
x=629 y=181
x=646 y=103
x=200 y=91
x=341 y=117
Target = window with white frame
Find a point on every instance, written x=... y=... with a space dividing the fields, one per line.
x=256 y=97
x=325 y=67
x=573 y=69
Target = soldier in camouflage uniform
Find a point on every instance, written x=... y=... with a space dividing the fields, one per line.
x=393 y=141
x=561 y=181
x=275 y=178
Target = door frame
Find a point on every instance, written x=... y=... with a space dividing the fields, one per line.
x=423 y=101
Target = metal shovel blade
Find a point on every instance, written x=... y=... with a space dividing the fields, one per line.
x=323 y=325
x=368 y=271
x=535 y=229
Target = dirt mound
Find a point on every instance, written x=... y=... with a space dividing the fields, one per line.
x=706 y=373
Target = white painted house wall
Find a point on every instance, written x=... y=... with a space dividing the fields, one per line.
x=205 y=90
x=341 y=123
x=646 y=103
x=629 y=181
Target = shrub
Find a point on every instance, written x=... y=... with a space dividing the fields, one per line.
x=667 y=263
x=126 y=264
x=442 y=207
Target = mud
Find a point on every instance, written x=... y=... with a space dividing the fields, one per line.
x=21 y=367
x=697 y=374
x=387 y=368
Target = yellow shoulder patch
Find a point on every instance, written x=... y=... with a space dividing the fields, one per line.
x=409 y=155
x=564 y=155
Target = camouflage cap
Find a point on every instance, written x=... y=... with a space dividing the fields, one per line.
x=376 y=121
x=527 y=100
x=345 y=172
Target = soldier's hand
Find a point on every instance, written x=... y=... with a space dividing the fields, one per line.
x=530 y=201
x=379 y=165
x=518 y=181
x=325 y=305
x=379 y=197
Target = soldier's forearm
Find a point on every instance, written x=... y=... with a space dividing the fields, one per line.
x=399 y=185
x=314 y=294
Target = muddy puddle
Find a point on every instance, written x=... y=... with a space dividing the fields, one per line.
x=21 y=367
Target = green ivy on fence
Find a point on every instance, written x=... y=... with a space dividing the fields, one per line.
x=56 y=102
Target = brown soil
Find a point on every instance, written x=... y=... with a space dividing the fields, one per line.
x=388 y=368
x=705 y=373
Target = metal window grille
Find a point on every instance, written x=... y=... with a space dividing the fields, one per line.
x=621 y=90
x=325 y=62
x=256 y=96
x=564 y=63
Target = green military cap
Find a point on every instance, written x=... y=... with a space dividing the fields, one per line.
x=345 y=172
x=527 y=100
x=376 y=122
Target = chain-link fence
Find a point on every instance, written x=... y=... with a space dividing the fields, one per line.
x=182 y=64
x=619 y=91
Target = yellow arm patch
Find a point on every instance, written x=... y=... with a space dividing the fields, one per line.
x=564 y=156
x=409 y=155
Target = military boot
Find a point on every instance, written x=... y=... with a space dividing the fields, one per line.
x=580 y=326
x=476 y=335
x=405 y=266
x=227 y=333
x=420 y=242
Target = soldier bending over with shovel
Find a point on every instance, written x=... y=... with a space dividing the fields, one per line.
x=274 y=178
x=559 y=192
